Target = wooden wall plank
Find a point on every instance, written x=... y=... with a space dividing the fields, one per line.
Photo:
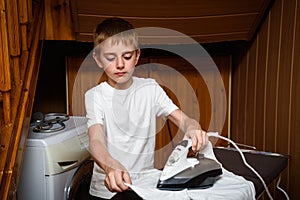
x=23 y=11
x=240 y=120
x=295 y=110
x=24 y=45
x=260 y=87
x=250 y=98
x=30 y=5
x=213 y=25
x=272 y=73
x=260 y=17
x=204 y=38
x=234 y=101
x=58 y=20
x=213 y=19
x=225 y=71
x=19 y=96
x=13 y=27
x=285 y=77
x=5 y=80
x=277 y=114
x=156 y=8
x=7 y=108
x=283 y=123
x=238 y=67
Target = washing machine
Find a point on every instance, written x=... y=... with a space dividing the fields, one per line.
x=55 y=149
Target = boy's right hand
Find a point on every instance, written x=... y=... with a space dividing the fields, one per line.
x=116 y=175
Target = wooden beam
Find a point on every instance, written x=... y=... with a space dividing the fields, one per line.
x=7 y=107
x=59 y=24
x=5 y=81
x=23 y=11
x=13 y=27
x=21 y=105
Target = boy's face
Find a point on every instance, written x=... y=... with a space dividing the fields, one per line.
x=118 y=62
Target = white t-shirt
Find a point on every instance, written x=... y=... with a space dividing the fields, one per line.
x=129 y=120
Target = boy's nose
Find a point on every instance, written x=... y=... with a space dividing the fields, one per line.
x=120 y=63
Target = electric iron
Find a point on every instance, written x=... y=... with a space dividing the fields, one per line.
x=192 y=173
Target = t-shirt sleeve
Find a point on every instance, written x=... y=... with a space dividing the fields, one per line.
x=164 y=105
x=94 y=111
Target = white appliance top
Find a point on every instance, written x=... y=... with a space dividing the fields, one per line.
x=75 y=126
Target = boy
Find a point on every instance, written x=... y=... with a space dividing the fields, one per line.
x=122 y=112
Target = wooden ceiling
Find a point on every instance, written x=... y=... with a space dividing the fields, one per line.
x=204 y=20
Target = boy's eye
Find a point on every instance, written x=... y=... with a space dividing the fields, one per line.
x=127 y=56
x=110 y=58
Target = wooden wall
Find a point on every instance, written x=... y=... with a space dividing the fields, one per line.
x=20 y=49
x=204 y=20
x=266 y=90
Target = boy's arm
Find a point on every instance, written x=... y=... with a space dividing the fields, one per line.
x=191 y=128
x=116 y=174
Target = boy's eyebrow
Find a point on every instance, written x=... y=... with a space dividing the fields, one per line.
x=108 y=53
x=112 y=53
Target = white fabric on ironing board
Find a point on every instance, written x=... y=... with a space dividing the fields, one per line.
x=228 y=186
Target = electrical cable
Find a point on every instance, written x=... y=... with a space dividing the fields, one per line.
x=280 y=189
x=215 y=134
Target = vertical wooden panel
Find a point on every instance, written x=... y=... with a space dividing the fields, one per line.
x=224 y=64
x=277 y=95
x=7 y=108
x=23 y=11
x=15 y=96
x=283 y=120
x=13 y=27
x=237 y=66
x=239 y=135
x=5 y=86
x=58 y=20
x=24 y=37
x=82 y=74
x=271 y=88
x=283 y=123
x=5 y=81
x=295 y=112
x=260 y=91
x=250 y=99
x=223 y=21
x=16 y=70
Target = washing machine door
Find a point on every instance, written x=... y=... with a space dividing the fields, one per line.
x=78 y=185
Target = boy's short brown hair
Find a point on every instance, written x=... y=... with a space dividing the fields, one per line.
x=119 y=30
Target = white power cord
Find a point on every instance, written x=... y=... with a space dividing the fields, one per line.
x=216 y=134
x=282 y=190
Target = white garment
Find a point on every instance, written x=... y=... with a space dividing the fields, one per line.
x=227 y=186
x=129 y=120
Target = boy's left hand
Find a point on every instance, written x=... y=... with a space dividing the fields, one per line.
x=199 y=139
x=191 y=128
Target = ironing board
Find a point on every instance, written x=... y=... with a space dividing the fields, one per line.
x=268 y=165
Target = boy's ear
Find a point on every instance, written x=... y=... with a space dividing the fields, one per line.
x=96 y=58
x=138 y=53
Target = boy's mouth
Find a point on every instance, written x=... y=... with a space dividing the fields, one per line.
x=120 y=74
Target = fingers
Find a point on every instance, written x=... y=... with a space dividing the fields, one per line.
x=114 y=181
x=199 y=140
x=127 y=178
